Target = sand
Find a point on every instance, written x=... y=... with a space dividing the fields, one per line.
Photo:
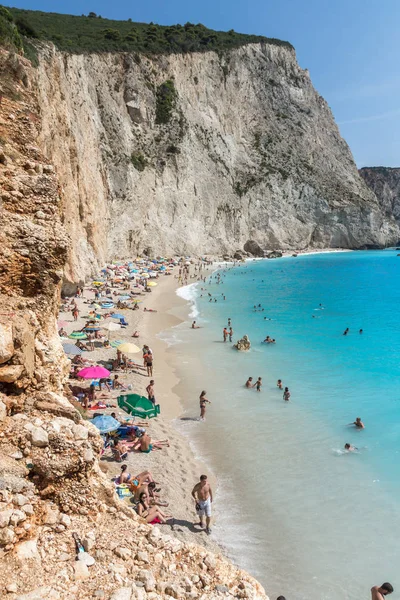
x=174 y=468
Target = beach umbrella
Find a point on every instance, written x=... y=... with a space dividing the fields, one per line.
x=92 y=328
x=95 y=372
x=116 y=343
x=105 y=423
x=112 y=326
x=118 y=316
x=152 y=284
x=77 y=335
x=128 y=348
x=71 y=349
x=107 y=305
x=97 y=283
x=124 y=298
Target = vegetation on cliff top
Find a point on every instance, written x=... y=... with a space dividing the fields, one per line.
x=92 y=33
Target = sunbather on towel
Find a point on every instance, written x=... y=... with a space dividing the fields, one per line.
x=151 y=514
x=146 y=445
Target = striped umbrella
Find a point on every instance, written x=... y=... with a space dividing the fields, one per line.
x=77 y=335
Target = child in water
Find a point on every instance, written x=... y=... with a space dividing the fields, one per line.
x=279 y=384
x=258 y=384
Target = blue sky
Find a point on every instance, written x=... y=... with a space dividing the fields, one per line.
x=351 y=48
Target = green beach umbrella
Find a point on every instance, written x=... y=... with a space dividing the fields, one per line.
x=77 y=335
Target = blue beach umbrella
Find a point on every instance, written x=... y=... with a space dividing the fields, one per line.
x=105 y=423
x=71 y=349
x=118 y=316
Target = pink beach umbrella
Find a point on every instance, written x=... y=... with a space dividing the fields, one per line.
x=95 y=372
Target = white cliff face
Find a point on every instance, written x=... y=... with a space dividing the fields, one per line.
x=250 y=152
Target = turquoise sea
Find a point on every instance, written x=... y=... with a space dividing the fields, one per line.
x=307 y=519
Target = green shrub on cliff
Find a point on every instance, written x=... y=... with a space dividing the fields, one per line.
x=87 y=34
x=165 y=101
x=9 y=35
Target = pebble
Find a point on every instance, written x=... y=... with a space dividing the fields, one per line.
x=81 y=572
x=123 y=553
x=86 y=558
x=123 y=593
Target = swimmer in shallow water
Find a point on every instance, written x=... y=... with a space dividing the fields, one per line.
x=349 y=448
x=249 y=382
x=358 y=423
x=279 y=384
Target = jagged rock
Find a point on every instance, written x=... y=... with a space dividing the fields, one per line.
x=243 y=344
x=89 y=542
x=275 y=254
x=17 y=517
x=6 y=342
x=39 y=437
x=65 y=520
x=52 y=516
x=174 y=590
x=10 y=373
x=12 y=588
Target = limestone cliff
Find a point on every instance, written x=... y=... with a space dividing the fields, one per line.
x=51 y=484
x=199 y=153
x=385 y=183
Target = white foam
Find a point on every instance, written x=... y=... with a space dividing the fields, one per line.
x=189 y=293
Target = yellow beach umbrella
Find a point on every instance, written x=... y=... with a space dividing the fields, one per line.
x=128 y=348
x=152 y=284
x=97 y=283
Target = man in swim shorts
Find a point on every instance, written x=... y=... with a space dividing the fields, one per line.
x=379 y=592
x=202 y=494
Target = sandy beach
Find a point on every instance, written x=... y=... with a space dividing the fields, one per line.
x=175 y=468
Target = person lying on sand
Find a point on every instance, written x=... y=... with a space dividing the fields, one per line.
x=149 y=310
x=146 y=445
x=126 y=477
x=151 y=514
x=135 y=334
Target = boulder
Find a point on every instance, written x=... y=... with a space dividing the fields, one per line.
x=6 y=342
x=10 y=373
x=243 y=344
x=275 y=254
x=253 y=248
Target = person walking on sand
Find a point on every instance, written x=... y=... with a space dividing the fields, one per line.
x=148 y=358
x=203 y=403
x=379 y=592
x=150 y=392
x=202 y=495
x=75 y=313
x=286 y=394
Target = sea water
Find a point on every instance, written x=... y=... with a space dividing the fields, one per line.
x=309 y=520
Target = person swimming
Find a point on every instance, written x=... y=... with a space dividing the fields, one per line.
x=349 y=448
x=249 y=382
x=279 y=384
